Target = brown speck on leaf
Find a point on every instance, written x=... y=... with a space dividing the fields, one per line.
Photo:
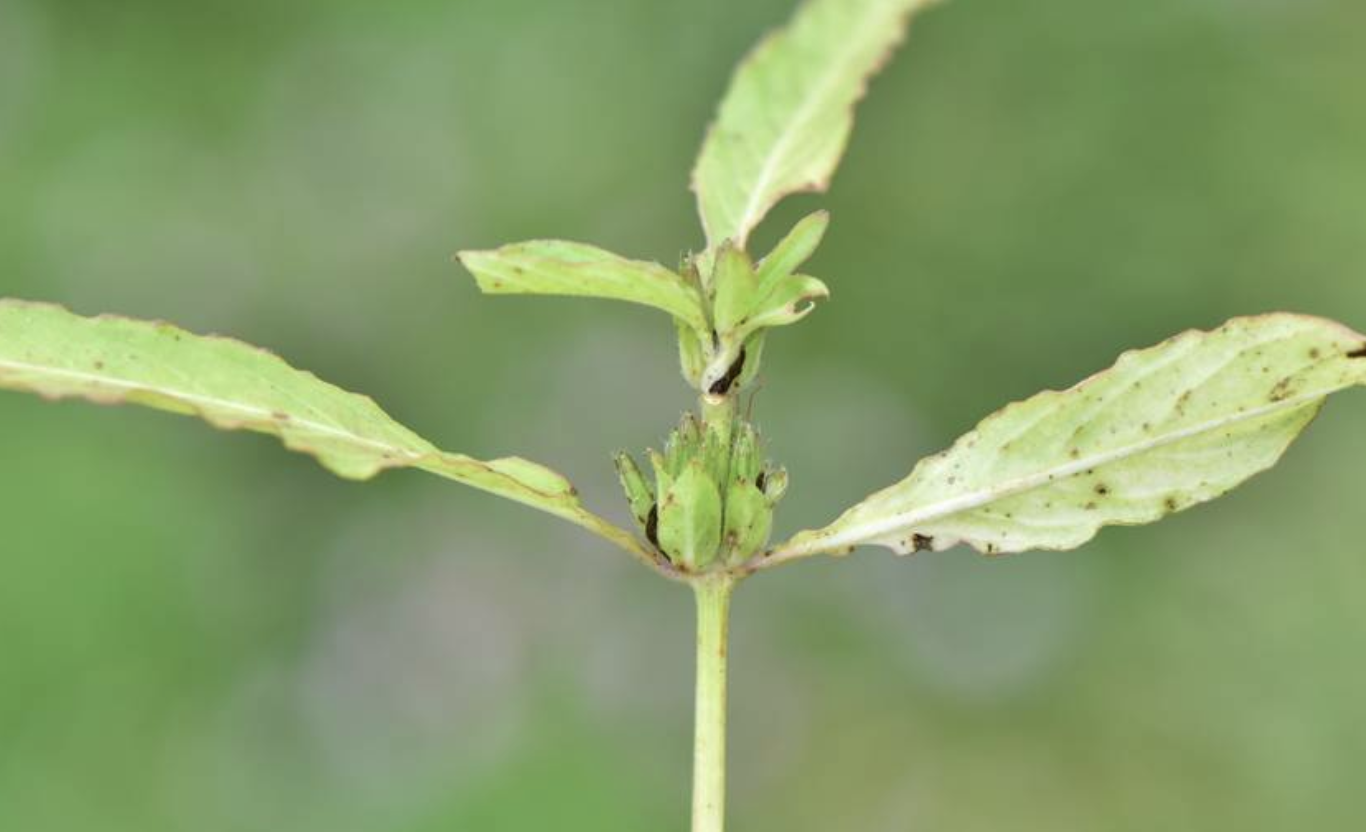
x=1092 y=506
x=1315 y=354
x=281 y=416
x=991 y=549
x=1358 y=353
x=1281 y=391
x=99 y=365
x=1102 y=489
x=1170 y=503
x=1075 y=453
x=921 y=543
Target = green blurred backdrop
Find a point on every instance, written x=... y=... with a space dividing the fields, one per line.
x=201 y=632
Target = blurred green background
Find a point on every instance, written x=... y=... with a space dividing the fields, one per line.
x=199 y=631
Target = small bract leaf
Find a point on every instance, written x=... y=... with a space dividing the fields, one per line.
x=791 y=299
x=553 y=267
x=1164 y=429
x=787 y=115
x=793 y=250
x=47 y=350
x=735 y=285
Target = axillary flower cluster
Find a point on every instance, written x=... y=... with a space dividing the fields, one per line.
x=710 y=502
x=709 y=505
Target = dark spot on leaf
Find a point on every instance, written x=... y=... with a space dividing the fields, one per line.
x=99 y=365
x=761 y=480
x=1091 y=506
x=1281 y=391
x=921 y=543
x=722 y=385
x=1358 y=353
x=1102 y=489
x=652 y=526
x=1170 y=503
x=991 y=549
x=1075 y=453
x=1314 y=354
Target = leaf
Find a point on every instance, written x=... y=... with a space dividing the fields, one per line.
x=553 y=267
x=1164 y=429
x=787 y=115
x=47 y=350
x=793 y=250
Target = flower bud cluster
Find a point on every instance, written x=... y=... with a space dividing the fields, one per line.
x=711 y=502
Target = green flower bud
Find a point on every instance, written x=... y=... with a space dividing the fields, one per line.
x=749 y=519
x=691 y=357
x=689 y=528
x=639 y=495
x=774 y=485
x=713 y=494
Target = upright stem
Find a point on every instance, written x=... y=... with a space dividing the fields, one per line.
x=709 y=747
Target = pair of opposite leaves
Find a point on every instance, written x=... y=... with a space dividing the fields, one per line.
x=1164 y=429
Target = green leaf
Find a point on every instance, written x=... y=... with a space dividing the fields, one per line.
x=786 y=118
x=552 y=267
x=47 y=350
x=793 y=250
x=1164 y=429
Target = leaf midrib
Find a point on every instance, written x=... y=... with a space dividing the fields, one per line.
x=803 y=112
x=907 y=520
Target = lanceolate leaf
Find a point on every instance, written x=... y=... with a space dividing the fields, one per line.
x=552 y=267
x=47 y=350
x=1164 y=429
x=786 y=118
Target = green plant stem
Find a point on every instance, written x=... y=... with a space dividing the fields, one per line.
x=718 y=411
x=709 y=748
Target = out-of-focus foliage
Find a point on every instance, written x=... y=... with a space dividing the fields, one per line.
x=200 y=632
